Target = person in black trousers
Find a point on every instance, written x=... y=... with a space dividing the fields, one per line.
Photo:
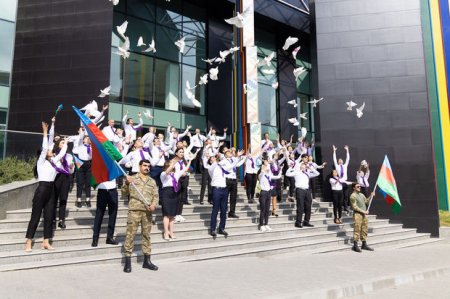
x=43 y=199
x=337 y=195
x=107 y=196
x=83 y=174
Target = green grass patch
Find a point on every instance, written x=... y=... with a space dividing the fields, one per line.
x=444 y=216
x=13 y=169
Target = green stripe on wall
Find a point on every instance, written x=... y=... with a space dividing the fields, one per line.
x=433 y=102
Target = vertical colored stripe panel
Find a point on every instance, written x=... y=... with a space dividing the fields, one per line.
x=441 y=77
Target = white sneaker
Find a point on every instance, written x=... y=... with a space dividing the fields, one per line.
x=262 y=228
x=268 y=228
x=177 y=218
x=182 y=219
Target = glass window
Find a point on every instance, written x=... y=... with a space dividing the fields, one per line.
x=8 y=11
x=6 y=50
x=142 y=8
x=193 y=75
x=169 y=14
x=138 y=80
x=167 y=85
x=3 y=117
x=303 y=82
x=4 y=96
x=194 y=51
x=267 y=105
x=115 y=77
x=165 y=41
x=137 y=28
x=194 y=19
x=302 y=108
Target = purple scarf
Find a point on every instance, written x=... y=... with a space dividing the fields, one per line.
x=174 y=183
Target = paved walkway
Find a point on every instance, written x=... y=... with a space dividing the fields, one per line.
x=299 y=275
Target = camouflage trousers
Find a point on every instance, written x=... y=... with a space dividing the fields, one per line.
x=136 y=218
x=361 y=227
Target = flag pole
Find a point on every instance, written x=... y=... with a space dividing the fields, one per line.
x=371 y=197
x=143 y=199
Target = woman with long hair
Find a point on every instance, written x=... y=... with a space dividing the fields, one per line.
x=337 y=194
x=362 y=177
x=43 y=199
x=275 y=169
x=265 y=177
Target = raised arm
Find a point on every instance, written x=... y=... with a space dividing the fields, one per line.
x=141 y=122
x=334 y=157
x=124 y=120
x=347 y=158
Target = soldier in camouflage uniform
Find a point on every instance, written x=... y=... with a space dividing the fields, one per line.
x=359 y=204
x=140 y=213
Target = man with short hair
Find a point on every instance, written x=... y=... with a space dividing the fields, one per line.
x=140 y=213
x=359 y=204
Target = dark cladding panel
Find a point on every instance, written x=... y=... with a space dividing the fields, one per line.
x=62 y=56
x=372 y=52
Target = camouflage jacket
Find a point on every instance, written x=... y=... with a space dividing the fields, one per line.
x=148 y=188
x=359 y=202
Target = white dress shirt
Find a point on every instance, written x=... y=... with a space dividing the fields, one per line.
x=341 y=169
x=109 y=132
x=302 y=177
x=46 y=171
x=217 y=172
x=129 y=129
x=363 y=179
x=108 y=185
x=197 y=140
x=232 y=161
x=166 y=179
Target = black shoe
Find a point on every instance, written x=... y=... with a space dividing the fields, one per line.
x=78 y=204
x=210 y=202
x=148 y=264
x=186 y=203
x=94 y=243
x=88 y=203
x=213 y=233
x=112 y=242
x=299 y=225
x=202 y=203
x=274 y=214
x=251 y=201
x=62 y=224
x=233 y=215
x=222 y=232
x=356 y=247
x=127 y=267
x=366 y=247
x=307 y=224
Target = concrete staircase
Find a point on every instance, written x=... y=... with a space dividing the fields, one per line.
x=193 y=242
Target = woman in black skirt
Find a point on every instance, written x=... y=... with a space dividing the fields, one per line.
x=169 y=195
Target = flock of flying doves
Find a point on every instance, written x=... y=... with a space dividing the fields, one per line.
x=238 y=21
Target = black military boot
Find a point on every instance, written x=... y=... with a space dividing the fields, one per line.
x=356 y=247
x=127 y=267
x=365 y=246
x=148 y=263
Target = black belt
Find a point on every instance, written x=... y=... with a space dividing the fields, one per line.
x=107 y=190
x=231 y=179
x=219 y=187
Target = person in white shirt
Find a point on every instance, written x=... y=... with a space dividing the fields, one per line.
x=43 y=199
x=198 y=141
x=129 y=126
x=107 y=196
x=183 y=182
x=252 y=165
x=337 y=194
x=83 y=174
x=275 y=169
x=157 y=164
x=216 y=139
x=302 y=193
x=65 y=167
x=342 y=168
x=314 y=165
x=291 y=163
x=265 y=178
x=362 y=178
x=109 y=130
x=169 y=196
x=217 y=171
x=136 y=156
x=231 y=178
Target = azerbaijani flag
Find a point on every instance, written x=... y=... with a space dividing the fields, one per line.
x=388 y=187
x=78 y=162
x=104 y=154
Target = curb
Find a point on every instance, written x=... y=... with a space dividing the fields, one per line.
x=372 y=286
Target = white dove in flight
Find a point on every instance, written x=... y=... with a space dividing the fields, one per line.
x=266 y=61
x=148 y=114
x=303 y=115
x=289 y=42
x=104 y=92
x=191 y=96
x=275 y=85
x=209 y=61
x=293 y=103
x=234 y=49
x=203 y=80
x=294 y=121
x=350 y=105
x=213 y=73
x=122 y=29
x=223 y=55
x=124 y=49
x=240 y=19
x=304 y=132
x=268 y=71
x=298 y=71
x=114 y=2
x=314 y=102
x=91 y=108
x=359 y=111
x=151 y=47
x=140 y=42
x=295 y=51
x=181 y=44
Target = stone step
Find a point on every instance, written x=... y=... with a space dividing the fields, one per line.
x=217 y=249
x=250 y=232
x=197 y=208
x=193 y=227
x=218 y=245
